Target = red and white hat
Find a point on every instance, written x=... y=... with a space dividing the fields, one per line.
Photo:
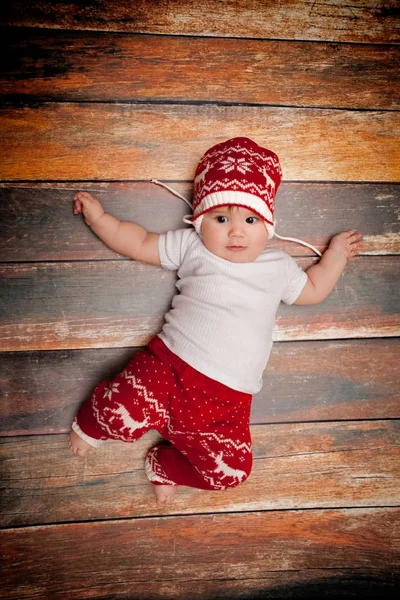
x=237 y=172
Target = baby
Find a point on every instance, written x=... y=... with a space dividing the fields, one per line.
x=194 y=381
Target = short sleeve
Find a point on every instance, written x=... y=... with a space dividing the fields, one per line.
x=172 y=247
x=296 y=279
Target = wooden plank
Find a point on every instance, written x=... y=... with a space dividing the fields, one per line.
x=41 y=391
x=50 y=306
x=304 y=381
x=86 y=66
x=127 y=141
x=370 y=21
x=303 y=584
x=314 y=381
x=37 y=221
x=310 y=583
x=80 y=305
x=125 y=557
x=296 y=466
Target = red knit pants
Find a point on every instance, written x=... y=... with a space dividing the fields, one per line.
x=206 y=423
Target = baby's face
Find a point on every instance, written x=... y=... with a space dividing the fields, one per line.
x=234 y=233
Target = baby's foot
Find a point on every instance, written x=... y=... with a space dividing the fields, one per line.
x=77 y=445
x=165 y=494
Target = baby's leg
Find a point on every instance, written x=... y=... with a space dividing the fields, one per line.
x=210 y=444
x=125 y=408
x=207 y=462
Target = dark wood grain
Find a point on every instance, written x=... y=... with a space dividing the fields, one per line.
x=307 y=583
x=304 y=381
x=87 y=141
x=105 y=67
x=123 y=557
x=310 y=582
x=37 y=221
x=371 y=21
x=318 y=465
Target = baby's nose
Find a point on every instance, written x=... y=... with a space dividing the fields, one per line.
x=236 y=231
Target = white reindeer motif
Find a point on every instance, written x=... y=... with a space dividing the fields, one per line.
x=227 y=471
x=269 y=180
x=202 y=174
x=128 y=423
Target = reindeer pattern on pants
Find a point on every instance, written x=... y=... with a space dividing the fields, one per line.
x=205 y=423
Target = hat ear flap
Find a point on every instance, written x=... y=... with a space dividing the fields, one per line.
x=270 y=229
x=197 y=224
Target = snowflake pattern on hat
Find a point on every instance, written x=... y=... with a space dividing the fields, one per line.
x=238 y=172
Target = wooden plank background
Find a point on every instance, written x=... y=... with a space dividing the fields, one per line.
x=80 y=66
x=89 y=305
x=104 y=97
x=320 y=210
x=372 y=21
x=131 y=558
x=303 y=382
x=74 y=141
x=307 y=465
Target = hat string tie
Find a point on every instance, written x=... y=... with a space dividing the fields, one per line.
x=297 y=241
x=188 y=218
x=171 y=189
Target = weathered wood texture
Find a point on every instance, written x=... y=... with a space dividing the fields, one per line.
x=368 y=21
x=108 y=67
x=145 y=141
x=49 y=306
x=125 y=558
x=309 y=381
x=37 y=221
x=307 y=583
x=320 y=465
x=318 y=83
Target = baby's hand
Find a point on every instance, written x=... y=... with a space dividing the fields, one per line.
x=91 y=208
x=348 y=243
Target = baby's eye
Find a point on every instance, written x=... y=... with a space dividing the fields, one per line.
x=221 y=219
x=252 y=220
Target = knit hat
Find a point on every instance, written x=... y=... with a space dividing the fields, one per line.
x=237 y=172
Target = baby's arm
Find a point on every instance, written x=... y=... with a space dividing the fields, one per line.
x=129 y=239
x=323 y=276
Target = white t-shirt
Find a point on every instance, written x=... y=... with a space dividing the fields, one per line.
x=221 y=321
